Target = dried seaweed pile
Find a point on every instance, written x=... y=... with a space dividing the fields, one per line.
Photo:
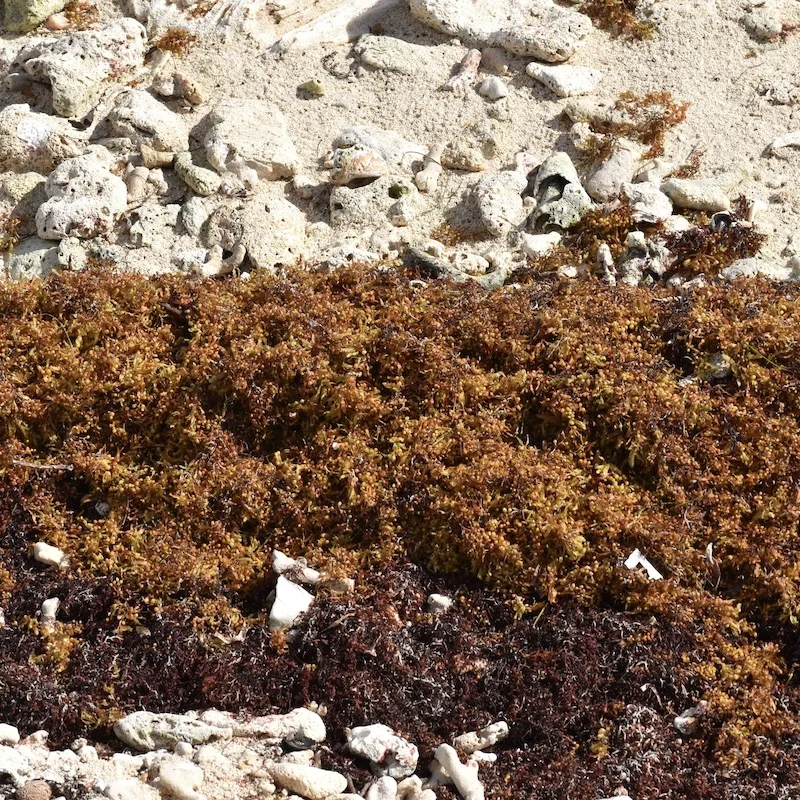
x=530 y=438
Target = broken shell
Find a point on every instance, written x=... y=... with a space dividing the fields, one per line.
x=356 y=163
x=136 y=183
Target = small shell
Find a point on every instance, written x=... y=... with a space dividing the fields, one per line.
x=356 y=163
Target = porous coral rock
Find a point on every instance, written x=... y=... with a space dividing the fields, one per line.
x=36 y=142
x=145 y=731
x=77 y=66
x=22 y=16
x=84 y=197
x=565 y=80
x=388 y=753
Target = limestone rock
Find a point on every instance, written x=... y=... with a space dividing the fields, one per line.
x=180 y=779
x=309 y=782
x=393 y=148
x=47 y=554
x=697 y=194
x=564 y=80
x=24 y=15
x=393 y=55
x=131 y=789
x=30 y=141
x=145 y=121
x=561 y=200
x=145 y=731
x=365 y=207
x=439 y=603
x=85 y=198
x=607 y=181
x=499 y=201
x=536 y=28
x=34 y=790
x=388 y=753
x=31 y=258
x=77 y=66
x=649 y=203
x=250 y=138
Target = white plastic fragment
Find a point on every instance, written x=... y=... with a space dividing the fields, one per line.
x=49 y=611
x=636 y=559
x=295 y=569
x=388 y=753
x=291 y=601
x=439 y=603
x=464 y=777
x=47 y=554
x=479 y=740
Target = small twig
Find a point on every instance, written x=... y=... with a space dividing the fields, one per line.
x=47 y=467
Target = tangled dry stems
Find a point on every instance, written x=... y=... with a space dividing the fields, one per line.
x=531 y=437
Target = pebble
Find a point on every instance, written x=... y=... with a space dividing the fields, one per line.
x=201 y=181
x=565 y=81
x=49 y=611
x=648 y=202
x=49 y=555
x=493 y=88
x=384 y=788
x=617 y=170
x=388 y=753
x=311 y=783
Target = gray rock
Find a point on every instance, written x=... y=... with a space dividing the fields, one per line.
x=607 y=181
x=85 y=198
x=77 y=66
x=144 y=120
x=145 y=731
x=24 y=15
x=369 y=206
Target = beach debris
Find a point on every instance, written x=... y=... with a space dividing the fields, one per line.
x=565 y=80
x=50 y=556
x=636 y=560
x=291 y=602
x=388 y=753
x=48 y=612
x=687 y=721
x=9 y=735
